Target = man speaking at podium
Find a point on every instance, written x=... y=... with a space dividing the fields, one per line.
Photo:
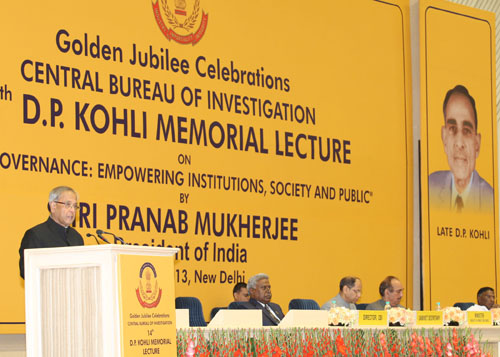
x=56 y=231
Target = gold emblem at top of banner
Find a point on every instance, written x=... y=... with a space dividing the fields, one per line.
x=179 y=21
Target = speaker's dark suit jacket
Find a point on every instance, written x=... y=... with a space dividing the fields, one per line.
x=47 y=235
x=266 y=315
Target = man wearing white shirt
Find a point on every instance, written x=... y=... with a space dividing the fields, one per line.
x=485 y=300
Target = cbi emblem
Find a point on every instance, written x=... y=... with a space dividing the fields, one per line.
x=180 y=20
x=148 y=295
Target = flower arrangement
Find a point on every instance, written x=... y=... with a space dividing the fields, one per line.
x=399 y=316
x=453 y=316
x=328 y=342
x=340 y=316
x=495 y=316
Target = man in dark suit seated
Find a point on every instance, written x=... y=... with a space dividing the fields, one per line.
x=391 y=291
x=260 y=298
x=240 y=292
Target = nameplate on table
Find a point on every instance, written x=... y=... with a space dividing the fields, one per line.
x=479 y=318
x=426 y=318
x=372 y=318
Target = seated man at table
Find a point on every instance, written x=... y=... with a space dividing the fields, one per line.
x=260 y=298
x=240 y=292
x=391 y=290
x=350 y=292
x=485 y=300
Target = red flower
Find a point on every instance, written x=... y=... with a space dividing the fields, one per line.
x=438 y=346
x=421 y=343
x=413 y=343
x=339 y=342
x=276 y=352
x=455 y=339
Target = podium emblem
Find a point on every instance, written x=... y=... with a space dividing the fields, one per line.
x=148 y=293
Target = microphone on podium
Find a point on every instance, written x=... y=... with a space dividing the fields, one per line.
x=100 y=232
x=91 y=235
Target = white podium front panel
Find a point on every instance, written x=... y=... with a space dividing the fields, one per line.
x=305 y=318
x=72 y=299
x=70 y=308
x=237 y=318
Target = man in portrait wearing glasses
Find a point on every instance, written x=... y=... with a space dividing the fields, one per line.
x=56 y=231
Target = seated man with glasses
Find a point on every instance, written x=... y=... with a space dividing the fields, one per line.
x=56 y=231
x=349 y=294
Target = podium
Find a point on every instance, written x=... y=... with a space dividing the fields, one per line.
x=102 y=300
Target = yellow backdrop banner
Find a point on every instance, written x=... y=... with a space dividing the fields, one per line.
x=255 y=136
x=459 y=155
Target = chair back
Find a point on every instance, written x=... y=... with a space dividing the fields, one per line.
x=463 y=305
x=195 y=310
x=235 y=305
x=303 y=304
x=214 y=311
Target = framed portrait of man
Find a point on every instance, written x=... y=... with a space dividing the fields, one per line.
x=458 y=151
